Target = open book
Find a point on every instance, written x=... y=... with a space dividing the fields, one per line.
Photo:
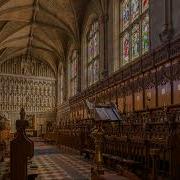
x=104 y=112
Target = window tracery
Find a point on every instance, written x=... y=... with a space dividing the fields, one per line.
x=61 y=85
x=74 y=73
x=134 y=30
x=93 y=52
x=19 y=86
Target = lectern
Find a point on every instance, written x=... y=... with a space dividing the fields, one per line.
x=101 y=114
x=21 y=148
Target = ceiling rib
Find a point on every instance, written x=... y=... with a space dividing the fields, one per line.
x=33 y=20
x=42 y=28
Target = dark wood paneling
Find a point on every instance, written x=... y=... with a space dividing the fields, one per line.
x=150 y=97
x=138 y=101
x=176 y=92
x=164 y=95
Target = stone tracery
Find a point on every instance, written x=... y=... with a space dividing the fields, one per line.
x=33 y=93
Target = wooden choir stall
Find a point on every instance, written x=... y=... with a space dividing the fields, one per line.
x=141 y=145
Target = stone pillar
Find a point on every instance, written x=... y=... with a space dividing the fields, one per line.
x=79 y=71
x=167 y=31
x=104 y=38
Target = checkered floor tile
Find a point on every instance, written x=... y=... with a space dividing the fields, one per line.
x=54 y=165
x=4 y=169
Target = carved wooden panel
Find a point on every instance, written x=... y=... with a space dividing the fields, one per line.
x=138 y=100
x=164 y=86
x=128 y=96
x=121 y=103
x=176 y=81
x=138 y=93
x=176 y=88
x=150 y=97
x=150 y=89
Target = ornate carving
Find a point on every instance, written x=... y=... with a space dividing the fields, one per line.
x=27 y=67
x=36 y=95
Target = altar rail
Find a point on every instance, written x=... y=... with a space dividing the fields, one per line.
x=150 y=138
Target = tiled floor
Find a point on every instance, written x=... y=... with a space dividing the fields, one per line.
x=54 y=165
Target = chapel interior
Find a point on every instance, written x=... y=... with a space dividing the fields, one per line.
x=89 y=90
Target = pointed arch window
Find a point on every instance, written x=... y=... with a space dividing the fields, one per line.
x=93 y=53
x=74 y=73
x=134 y=29
x=61 y=81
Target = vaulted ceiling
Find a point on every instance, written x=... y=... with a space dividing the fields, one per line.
x=39 y=28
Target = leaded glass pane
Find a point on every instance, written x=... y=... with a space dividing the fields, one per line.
x=145 y=5
x=135 y=41
x=96 y=44
x=125 y=48
x=135 y=7
x=91 y=50
x=96 y=70
x=96 y=26
x=125 y=13
x=75 y=66
x=75 y=86
x=134 y=29
x=72 y=88
x=74 y=69
x=61 y=87
x=93 y=54
x=145 y=34
x=90 y=74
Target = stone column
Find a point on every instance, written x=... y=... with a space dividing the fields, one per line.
x=167 y=31
x=79 y=71
x=104 y=38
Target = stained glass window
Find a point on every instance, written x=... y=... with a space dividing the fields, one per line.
x=73 y=72
x=145 y=5
x=134 y=29
x=61 y=85
x=125 y=13
x=135 y=41
x=135 y=9
x=93 y=53
x=125 y=48
x=145 y=34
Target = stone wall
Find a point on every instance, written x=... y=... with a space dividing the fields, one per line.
x=30 y=84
